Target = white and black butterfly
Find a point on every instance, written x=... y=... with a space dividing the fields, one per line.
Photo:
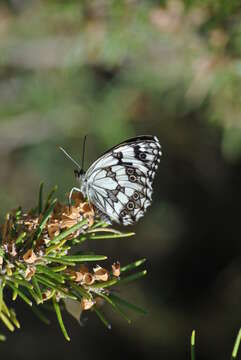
x=119 y=183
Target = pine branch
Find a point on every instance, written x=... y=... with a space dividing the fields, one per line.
x=38 y=262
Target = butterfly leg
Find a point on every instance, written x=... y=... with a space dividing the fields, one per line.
x=71 y=193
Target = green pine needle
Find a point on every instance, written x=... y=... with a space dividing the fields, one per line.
x=19 y=292
x=59 y=260
x=104 y=285
x=83 y=258
x=133 y=277
x=102 y=318
x=193 y=345
x=49 y=197
x=46 y=270
x=40 y=199
x=128 y=305
x=37 y=289
x=40 y=315
x=5 y=309
x=115 y=307
x=45 y=218
x=81 y=292
x=6 y=322
x=236 y=345
x=20 y=238
x=60 y=320
x=133 y=265
x=14 y=318
x=69 y=231
x=1 y=294
x=2 y=337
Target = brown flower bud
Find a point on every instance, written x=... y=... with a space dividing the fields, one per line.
x=78 y=276
x=88 y=279
x=116 y=269
x=87 y=304
x=75 y=275
x=101 y=274
x=70 y=217
x=88 y=212
x=29 y=257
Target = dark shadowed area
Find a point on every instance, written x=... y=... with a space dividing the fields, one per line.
x=113 y=70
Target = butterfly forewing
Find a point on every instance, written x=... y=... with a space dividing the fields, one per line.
x=119 y=183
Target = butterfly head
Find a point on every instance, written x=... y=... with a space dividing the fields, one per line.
x=80 y=177
x=79 y=173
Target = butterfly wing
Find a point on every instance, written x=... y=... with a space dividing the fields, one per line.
x=119 y=183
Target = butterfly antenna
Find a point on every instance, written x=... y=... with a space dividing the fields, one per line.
x=69 y=157
x=83 y=152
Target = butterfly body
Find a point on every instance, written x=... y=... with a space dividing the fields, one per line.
x=119 y=183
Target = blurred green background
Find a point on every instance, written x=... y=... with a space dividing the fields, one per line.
x=112 y=70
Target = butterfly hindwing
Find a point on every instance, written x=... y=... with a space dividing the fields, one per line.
x=119 y=183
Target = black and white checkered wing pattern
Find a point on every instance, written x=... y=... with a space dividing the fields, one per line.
x=119 y=183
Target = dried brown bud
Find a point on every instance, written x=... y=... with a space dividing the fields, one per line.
x=78 y=276
x=88 y=279
x=29 y=257
x=85 y=207
x=46 y=294
x=116 y=268
x=78 y=198
x=40 y=246
x=69 y=217
x=31 y=223
x=12 y=249
x=58 y=208
x=75 y=275
x=30 y=271
x=88 y=212
x=86 y=304
x=53 y=230
x=101 y=274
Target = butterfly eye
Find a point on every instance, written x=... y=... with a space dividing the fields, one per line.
x=130 y=205
x=135 y=195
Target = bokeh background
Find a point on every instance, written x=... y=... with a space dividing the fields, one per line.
x=112 y=70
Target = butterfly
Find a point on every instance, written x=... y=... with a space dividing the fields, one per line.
x=119 y=183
